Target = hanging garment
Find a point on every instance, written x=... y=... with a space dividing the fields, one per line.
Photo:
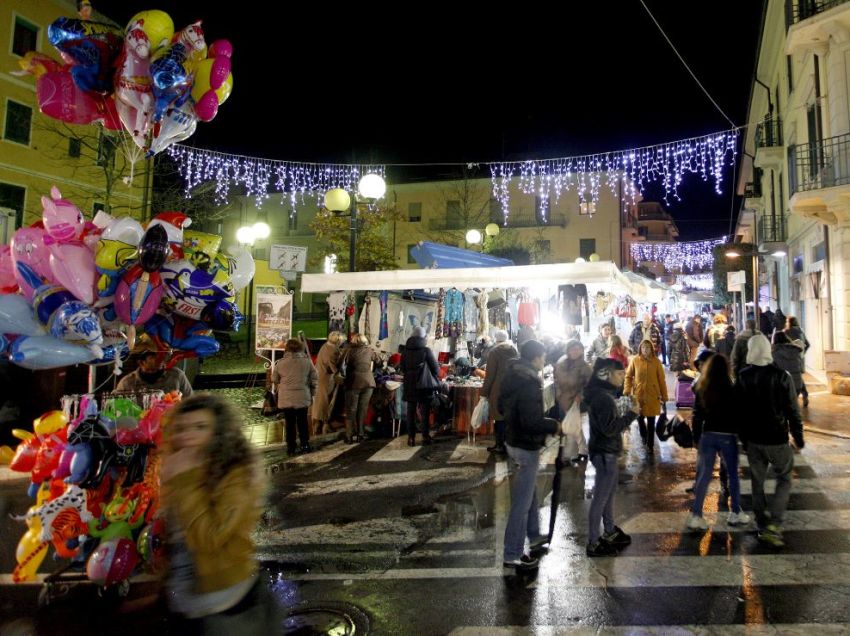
x=370 y=319
x=453 y=314
x=336 y=311
x=528 y=314
x=571 y=307
x=483 y=316
x=470 y=316
x=441 y=310
x=384 y=329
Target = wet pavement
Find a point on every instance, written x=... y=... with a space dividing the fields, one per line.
x=380 y=538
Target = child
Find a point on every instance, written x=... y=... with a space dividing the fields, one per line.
x=618 y=351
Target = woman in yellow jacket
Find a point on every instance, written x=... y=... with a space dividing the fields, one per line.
x=646 y=383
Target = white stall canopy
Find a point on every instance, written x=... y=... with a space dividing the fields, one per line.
x=600 y=274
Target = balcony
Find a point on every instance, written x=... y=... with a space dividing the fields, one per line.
x=799 y=10
x=769 y=133
x=772 y=229
x=515 y=220
x=811 y=22
x=753 y=190
x=819 y=179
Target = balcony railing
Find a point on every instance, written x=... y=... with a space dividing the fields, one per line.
x=515 y=220
x=798 y=10
x=822 y=164
x=772 y=229
x=753 y=190
x=769 y=133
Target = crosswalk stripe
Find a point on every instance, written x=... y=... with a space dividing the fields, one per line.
x=834 y=485
x=786 y=629
x=673 y=522
x=324 y=455
x=395 y=451
x=465 y=453
x=366 y=483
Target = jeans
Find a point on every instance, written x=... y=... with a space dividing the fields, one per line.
x=522 y=520
x=710 y=445
x=356 y=405
x=296 y=418
x=647 y=429
x=602 y=504
x=781 y=456
x=424 y=408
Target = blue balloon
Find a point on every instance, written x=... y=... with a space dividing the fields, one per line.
x=16 y=316
x=47 y=352
x=91 y=46
x=76 y=322
x=81 y=463
x=171 y=82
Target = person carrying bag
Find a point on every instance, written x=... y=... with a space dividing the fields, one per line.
x=420 y=370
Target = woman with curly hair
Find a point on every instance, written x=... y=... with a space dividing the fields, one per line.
x=212 y=492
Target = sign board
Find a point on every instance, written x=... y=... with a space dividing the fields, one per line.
x=736 y=281
x=274 y=321
x=837 y=362
x=289 y=258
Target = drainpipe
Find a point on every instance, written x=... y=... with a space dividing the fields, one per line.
x=767 y=88
x=828 y=335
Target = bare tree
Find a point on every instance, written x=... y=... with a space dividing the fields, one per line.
x=463 y=204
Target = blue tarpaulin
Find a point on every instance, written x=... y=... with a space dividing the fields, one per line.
x=437 y=256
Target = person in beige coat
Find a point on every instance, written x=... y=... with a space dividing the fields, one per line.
x=497 y=366
x=327 y=365
x=359 y=360
x=646 y=383
x=296 y=380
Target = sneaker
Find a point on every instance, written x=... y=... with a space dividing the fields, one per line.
x=772 y=535
x=617 y=538
x=738 y=518
x=538 y=543
x=525 y=562
x=601 y=549
x=696 y=523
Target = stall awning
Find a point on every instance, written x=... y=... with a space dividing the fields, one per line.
x=603 y=273
x=438 y=256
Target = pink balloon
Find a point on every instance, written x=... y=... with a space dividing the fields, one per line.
x=73 y=268
x=221 y=48
x=60 y=98
x=132 y=83
x=63 y=220
x=28 y=247
x=8 y=282
x=206 y=108
x=64 y=467
x=149 y=294
x=219 y=72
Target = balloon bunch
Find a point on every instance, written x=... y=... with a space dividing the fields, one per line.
x=95 y=481
x=148 y=80
x=86 y=287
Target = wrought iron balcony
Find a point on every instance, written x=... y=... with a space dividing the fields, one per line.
x=753 y=190
x=769 y=133
x=773 y=228
x=821 y=164
x=798 y=10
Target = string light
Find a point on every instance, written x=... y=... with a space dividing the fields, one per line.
x=697 y=255
x=700 y=282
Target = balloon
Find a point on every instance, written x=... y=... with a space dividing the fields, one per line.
x=188 y=289
x=76 y=322
x=25 y=453
x=8 y=282
x=60 y=98
x=47 y=459
x=73 y=267
x=129 y=117
x=132 y=81
x=171 y=69
x=46 y=352
x=48 y=299
x=29 y=554
x=157 y=25
x=91 y=47
x=154 y=249
x=222 y=315
x=115 y=347
x=213 y=81
x=63 y=220
x=179 y=123
x=138 y=295
x=240 y=267
x=37 y=64
x=16 y=316
x=28 y=247
x=200 y=248
x=174 y=224
x=49 y=423
x=182 y=333
x=112 y=561
x=117 y=247
x=151 y=544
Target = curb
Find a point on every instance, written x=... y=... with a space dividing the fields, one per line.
x=821 y=431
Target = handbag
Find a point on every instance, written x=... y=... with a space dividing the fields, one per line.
x=270 y=404
x=681 y=432
x=426 y=380
x=661 y=428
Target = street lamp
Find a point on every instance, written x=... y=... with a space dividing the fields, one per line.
x=370 y=188
x=736 y=253
x=246 y=236
x=473 y=237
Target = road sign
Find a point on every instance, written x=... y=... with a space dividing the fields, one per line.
x=289 y=258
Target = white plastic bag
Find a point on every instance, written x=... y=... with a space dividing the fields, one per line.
x=571 y=430
x=481 y=413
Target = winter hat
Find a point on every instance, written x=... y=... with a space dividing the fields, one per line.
x=758 y=351
x=418 y=332
x=603 y=367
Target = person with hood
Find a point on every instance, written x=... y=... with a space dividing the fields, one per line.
x=680 y=353
x=417 y=355
x=296 y=380
x=739 y=351
x=786 y=356
x=768 y=414
x=796 y=336
x=608 y=416
x=726 y=344
x=327 y=366
x=646 y=383
x=599 y=347
x=521 y=403
x=695 y=335
x=571 y=375
x=645 y=330
x=780 y=322
x=497 y=365
x=358 y=359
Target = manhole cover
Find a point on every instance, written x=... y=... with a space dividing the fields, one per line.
x=337 y=619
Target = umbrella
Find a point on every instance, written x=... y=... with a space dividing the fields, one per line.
x=556 y=487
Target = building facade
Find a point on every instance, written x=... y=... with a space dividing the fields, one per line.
x=796 y=176
x=92 y=169
x=648 y=222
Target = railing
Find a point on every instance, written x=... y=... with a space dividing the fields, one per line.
x=515 y=220
x=822 y=164
x=769 y=133
x=753 y=190
x=798 y=10
x=772 y=229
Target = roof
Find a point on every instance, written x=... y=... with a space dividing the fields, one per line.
x=438 y=256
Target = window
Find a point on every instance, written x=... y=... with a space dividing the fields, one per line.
x=586 y=247
x=452 y=210
x=330 y=264
x=542 y=210
x=105 y=150
x=410 y=258
x=12 y=197
x=414 y=212
x=819 y=252
x=789 y=60
x=293 y=219
x=587 y=208
x=74 y=147
x=18 y=122
x=25 y=38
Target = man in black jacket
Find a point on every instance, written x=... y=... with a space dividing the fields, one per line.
x=770 y=412
x=521 y=404
x=609 y=416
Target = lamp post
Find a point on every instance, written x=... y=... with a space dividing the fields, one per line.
x=370 y=188
x=246 y=236
x=734 y=253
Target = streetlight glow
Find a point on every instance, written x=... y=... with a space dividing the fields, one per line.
x=246 y=235
x=337 y=200
x=261 y=230
x=733 y=254
x=473 y=237
x=372 y=186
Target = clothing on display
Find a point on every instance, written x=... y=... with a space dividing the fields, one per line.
x=470 y=315
x=483 y=315
x=384 y=330
x=336 y=311
x=370 y=319
x=453 y=314
x=528 y=313
x=441 y=304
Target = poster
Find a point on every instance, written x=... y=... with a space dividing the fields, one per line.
x=274 y=320
x=289 y=258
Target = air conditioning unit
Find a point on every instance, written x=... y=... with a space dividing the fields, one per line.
x=7 y=225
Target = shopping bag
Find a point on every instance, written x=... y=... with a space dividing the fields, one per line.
x=481 y=413
x=662 y=428
x=270 y=404
x=427 y=381
x=681 y=432
x=571 y=430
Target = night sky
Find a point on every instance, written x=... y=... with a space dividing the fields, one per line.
x=442 y=82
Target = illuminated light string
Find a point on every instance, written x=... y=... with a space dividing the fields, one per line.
x=700 y=282
x=667 y=163
x=693 y=254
